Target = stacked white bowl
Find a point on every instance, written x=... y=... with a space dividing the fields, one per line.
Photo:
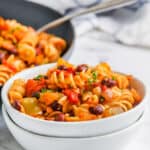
x=109 y=133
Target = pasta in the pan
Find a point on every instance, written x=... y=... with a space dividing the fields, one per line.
x=74 y=93
x=5 y=74
x=22 y=47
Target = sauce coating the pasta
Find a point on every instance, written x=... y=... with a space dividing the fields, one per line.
x=74 y=93
x=21 y=47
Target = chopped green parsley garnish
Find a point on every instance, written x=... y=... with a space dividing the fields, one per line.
x=36 y=94
x=47 y=90
x=113 y=78
x=14 y=29
x=44 y=90
x=94 y=75
x=90 y=81
x=101 y=99
x=38 y=77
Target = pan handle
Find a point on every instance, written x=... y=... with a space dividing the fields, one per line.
x=100 y=8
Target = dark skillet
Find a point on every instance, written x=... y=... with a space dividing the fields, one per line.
x=36 y=15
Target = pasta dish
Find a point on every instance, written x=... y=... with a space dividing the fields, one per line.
x=74 y=93
x=21 y=47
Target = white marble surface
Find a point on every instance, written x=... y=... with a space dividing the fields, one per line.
x=93 y=48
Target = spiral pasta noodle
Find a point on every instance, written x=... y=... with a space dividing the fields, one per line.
x=64 y=80
x=15 y=63
x=122 y=80
x=17 y=90
x=5 y=74
x=75 y=93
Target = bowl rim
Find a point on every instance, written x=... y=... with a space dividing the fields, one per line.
x=5 y=100
x=133 y=125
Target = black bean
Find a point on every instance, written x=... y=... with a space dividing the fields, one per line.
x=109 y=82
x=44 y=111
x=36 y=94
x=82 y=68
x=45 y=77
x=71 y=113
x=62 y=67
x=97 y=110
x=60 y=117
x=56 y=106
x=16 y=104
x=59 y=90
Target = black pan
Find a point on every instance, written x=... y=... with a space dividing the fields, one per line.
x=36 y=15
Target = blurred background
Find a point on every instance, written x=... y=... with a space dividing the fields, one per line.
x=120 y=37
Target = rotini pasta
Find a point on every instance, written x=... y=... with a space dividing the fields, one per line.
x=5 y=74
x=25 y=48
x=75 y=93
x=17 y=91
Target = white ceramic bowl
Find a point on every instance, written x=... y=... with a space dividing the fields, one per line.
x=114 y=141
x=71 y=129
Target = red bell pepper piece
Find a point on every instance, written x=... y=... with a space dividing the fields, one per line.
x=72 y=96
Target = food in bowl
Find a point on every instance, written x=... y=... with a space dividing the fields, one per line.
x=74 y=93
x=21 y=47
x=30 y=140
x=78 y=128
